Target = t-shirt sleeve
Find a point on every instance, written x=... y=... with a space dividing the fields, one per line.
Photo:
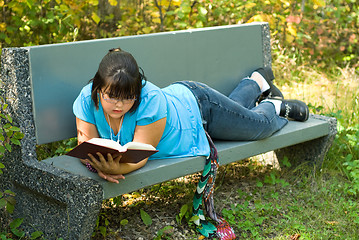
x=83 y=108
x=152 y=108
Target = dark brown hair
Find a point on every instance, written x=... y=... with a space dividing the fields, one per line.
x=118 y=73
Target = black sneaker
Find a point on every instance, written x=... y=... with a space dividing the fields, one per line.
x=294 y=109
x=273 y=91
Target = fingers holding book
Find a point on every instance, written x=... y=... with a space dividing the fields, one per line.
x=113 y=164
x=109 y=166
x=105 y=167
x=110 y=159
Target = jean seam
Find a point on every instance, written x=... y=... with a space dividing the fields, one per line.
x=241 y=115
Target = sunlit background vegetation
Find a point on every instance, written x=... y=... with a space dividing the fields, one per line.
x=317 y=32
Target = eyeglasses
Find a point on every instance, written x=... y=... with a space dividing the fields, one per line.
x=116 y=100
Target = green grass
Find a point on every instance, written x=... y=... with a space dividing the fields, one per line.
x=259 y=201
x=296 y=202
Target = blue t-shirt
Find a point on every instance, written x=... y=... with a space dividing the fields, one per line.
x=183 y=136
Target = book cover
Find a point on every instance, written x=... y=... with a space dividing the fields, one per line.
x=132 y=152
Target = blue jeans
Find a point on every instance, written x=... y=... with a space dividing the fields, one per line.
x=236 y=117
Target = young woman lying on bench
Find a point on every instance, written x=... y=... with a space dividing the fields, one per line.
x=179 y=120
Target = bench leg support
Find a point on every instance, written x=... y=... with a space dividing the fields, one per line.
x=56 y=203
x=54 y=218
x=312 y=151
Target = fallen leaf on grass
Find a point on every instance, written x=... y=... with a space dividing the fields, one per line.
x=295 y=237
x=332 y=222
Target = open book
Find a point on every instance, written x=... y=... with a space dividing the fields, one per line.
x=132 y=152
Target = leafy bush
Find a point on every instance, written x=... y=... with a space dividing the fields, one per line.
x=9 y=134
x=55 y=149
x=47 y=21
x=326 y=32
x=321 y=32
x=293 y=24
x=346 y=149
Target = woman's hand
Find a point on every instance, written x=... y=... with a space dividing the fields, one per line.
x=111 y=178
x=112 y=168
x=108 y=166
x=106 y=169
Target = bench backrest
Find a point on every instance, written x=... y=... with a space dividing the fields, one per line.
x=218 y=56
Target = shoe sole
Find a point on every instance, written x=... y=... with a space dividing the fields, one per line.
x=268 y=75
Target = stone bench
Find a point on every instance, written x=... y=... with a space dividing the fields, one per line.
x=59 y=196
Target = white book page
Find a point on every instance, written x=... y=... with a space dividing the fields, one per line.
x=112 y=144
x=138 y=145
x=107 y=143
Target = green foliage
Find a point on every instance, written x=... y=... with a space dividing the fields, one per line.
x=314 y=207
x=146 y=218
x=184 y=210
x=42 y=22
x=352 y=166
x=7 y=200
x=285 y=162
x=14 y=225
x=294 y=25
x=272 y=179
x=164 y=233
x=250 y=216
x=15 y=231
x=346 y=147
x=9 y=135
x=102 y=223
x=124 y=222
x=55 y=149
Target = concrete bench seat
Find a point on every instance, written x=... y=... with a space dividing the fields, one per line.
x=59 y=196
x=157 y=171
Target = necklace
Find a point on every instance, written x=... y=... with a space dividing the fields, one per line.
x=119 y=128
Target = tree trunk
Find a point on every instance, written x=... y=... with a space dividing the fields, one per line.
x=105 y=9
